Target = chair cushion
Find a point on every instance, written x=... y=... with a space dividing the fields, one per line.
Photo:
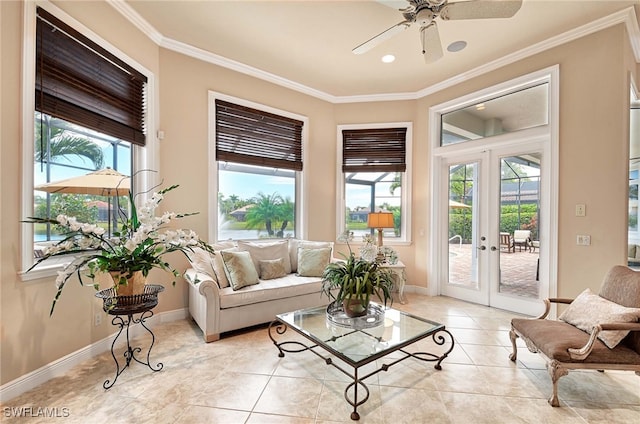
x=553 y=338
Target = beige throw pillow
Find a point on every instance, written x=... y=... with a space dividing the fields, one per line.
x=239 y=269
x=218 y=265
x=202 y=262
x=312 y=262
x=589 y=310
x=272 y=268
x=261 y=251
x=294 y=244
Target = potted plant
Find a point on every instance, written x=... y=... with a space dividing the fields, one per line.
x=356 y=280
x=137 y=248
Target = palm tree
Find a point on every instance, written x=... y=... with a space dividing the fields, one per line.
x=62 y=145
x=270 y=210
x=263 y=212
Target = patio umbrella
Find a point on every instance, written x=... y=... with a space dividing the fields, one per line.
x=457 y=205
x=104 y=182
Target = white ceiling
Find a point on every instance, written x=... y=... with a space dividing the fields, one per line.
x=307 y=44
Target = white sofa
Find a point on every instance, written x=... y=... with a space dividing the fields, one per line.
x=218 y=309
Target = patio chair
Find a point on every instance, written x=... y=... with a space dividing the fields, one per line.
x=506 y=242
x=522 y=238
x=596 y=331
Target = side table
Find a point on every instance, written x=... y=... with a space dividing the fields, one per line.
x=399 y=277
x=128 y=306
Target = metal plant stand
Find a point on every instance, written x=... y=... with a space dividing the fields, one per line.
x=128 y=306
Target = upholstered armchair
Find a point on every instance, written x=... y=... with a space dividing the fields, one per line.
x=596 y=331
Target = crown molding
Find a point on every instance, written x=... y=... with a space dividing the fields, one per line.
x=625 y=16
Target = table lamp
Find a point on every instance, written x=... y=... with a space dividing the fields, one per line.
x=380 y=220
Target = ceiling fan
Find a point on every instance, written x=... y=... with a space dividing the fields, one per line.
x=424 y=13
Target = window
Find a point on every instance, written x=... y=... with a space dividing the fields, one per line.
x=505 y=113
x=375 y=176
x=89 y=111
x=259 y=162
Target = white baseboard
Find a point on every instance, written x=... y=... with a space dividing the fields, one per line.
x=60 y=366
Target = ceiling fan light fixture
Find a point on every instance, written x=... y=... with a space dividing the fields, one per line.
x=456 y=46
x=388 y=58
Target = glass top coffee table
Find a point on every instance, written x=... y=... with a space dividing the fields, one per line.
x=359 y=341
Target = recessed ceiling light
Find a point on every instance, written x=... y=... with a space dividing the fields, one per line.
x=388 y=58
x=456 y=46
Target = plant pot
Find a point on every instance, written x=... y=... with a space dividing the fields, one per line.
x=353 y=308
x=135 y=284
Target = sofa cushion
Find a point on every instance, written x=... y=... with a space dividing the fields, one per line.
x=589 y=310
x=294 y=244
x=218 y=265
x=279 y=288
x=553 y=338
x=272 y=268
x=239 y=269
x=312 y=262
x=202 y=262
x=267 y=250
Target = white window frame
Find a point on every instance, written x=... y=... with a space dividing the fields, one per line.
x=405 y=202
x=143 y=157
x=300 y=185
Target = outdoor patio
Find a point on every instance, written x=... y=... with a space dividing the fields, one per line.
x=518 y=269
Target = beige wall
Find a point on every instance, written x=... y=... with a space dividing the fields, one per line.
x=593 y=148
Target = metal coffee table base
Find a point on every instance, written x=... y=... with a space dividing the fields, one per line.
x=439 y=337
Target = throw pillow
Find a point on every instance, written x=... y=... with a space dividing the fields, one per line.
x=272 y=268
x=294 y=244
x=239 y=269
x=202 y=262
x=311 y=262
x=218 y=265
x=267 y=250
x=589 y=309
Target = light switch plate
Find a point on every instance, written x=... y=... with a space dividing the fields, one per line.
x=581 y=210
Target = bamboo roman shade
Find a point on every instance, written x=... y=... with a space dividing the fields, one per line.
x=80 y=82
x=254 y=137
x=374 y=150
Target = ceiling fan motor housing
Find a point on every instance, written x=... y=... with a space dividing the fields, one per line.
x=424 y=17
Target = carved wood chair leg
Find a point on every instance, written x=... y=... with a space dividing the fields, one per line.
x=555 y=371
x=513 y=336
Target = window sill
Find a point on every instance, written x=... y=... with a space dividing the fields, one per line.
x=49 y=268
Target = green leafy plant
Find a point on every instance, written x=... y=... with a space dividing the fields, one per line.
x=141 y=244
x=356 y=279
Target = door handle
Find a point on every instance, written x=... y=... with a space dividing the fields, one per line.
x=493 y=248
x=482 y=248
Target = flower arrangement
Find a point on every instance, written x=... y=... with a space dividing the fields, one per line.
x=138 y=247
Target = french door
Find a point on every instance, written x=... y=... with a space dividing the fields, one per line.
x=491 y=220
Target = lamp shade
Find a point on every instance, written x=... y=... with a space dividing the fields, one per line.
x=380 y=220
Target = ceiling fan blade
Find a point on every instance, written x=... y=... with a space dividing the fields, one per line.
x=480 y=9
x=383 y=36
x=431 y=45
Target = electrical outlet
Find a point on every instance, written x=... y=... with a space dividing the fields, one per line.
x=583 y=240
x=97 y=319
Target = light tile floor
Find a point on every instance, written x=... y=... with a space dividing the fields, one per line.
x=240 y=379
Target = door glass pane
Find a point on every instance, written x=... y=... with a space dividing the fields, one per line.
x=519 y=225
x=526 y=108
x=463 y=258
